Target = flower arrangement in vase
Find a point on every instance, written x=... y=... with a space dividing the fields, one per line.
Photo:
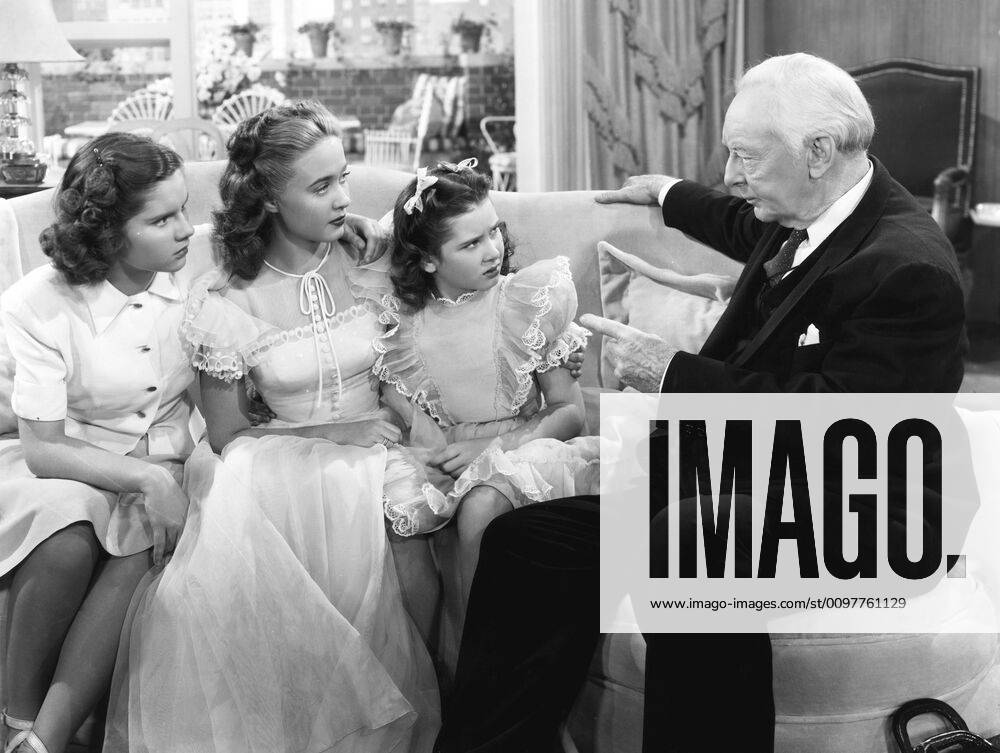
x=222 y=71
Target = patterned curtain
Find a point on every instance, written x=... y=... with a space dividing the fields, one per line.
x=657 y=78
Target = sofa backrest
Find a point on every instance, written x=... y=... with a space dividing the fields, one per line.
x=542 y=225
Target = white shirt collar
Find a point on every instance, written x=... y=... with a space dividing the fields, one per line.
x=839 y=210
x=105 y=301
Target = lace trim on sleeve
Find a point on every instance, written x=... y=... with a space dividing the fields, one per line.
x=397 y=363
x=219 y=337
x=545 y=352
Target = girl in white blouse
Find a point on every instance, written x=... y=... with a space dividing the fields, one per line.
x=90 y=492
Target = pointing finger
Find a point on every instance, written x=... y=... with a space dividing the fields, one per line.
x=607 y=327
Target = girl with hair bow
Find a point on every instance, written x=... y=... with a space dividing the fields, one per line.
x=472 y=361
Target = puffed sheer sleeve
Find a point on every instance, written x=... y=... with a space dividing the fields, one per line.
x=538 y=331
x=219 y=337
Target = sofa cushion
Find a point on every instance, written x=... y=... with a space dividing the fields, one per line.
x=681 y=319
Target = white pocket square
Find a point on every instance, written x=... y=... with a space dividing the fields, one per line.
x=810 y=336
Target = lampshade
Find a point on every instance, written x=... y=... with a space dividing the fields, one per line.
x=29 y=33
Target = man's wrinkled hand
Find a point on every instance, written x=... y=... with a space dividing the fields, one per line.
x=639 y=189
x=638 y=358
x=366 y=237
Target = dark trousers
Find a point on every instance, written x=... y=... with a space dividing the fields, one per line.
x=530 y=634
x=530 y=630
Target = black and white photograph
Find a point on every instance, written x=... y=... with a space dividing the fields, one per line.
x=499 y=376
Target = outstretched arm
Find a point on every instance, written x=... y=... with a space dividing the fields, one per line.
x=638 y=189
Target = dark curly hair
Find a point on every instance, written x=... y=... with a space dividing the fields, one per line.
x=261 y=154
x=105 y=185
x=418 y=237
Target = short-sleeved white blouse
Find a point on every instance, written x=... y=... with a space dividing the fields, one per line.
x=111 y=365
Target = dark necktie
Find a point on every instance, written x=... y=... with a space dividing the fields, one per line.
x=777 y=267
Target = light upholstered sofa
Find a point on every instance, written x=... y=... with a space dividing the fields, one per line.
x=833 y=692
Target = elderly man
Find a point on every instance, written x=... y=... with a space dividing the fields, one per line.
x=848 y=286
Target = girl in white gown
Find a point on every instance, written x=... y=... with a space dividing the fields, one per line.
x=279 y=625
x=90 y=488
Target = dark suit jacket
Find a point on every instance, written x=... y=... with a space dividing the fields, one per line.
x=884 y=293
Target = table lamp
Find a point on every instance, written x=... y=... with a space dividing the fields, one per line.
x=29 y=33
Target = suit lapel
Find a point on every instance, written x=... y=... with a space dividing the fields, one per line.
x=724 y=335
x=843 y=242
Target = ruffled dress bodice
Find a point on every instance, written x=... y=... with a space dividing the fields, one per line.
x=318 y=371
x=474 y=360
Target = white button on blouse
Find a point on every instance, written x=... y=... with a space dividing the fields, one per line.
x=110 y=365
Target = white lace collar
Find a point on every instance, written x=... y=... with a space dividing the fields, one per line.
x=464 y=298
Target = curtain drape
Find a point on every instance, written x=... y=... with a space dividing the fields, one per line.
x=657 y=76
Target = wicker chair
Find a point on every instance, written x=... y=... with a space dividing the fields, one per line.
x=142 y=105
x=400 y=148
x=196 y=140
x=241 y=106
x=503 y=165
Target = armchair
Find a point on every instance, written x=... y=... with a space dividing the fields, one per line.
x=925 y=126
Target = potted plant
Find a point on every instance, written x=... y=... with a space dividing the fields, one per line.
x=319 y=35
x=392 y=30
x=470 y=32
x=244 y=35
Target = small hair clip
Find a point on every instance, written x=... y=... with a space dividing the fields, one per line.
x=424 y=181
x=466 y=164
x=97 y=153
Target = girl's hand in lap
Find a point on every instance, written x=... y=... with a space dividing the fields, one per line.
x=458 y=456
x=365 y=433
x=166 y=508
x=574 y=364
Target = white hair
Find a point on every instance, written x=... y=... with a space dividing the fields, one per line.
x=813 y=97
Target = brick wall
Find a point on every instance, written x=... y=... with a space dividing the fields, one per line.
x=69 y=99
x=372 y=94
x=369 y=94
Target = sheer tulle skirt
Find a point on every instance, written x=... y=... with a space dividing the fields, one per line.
x=420 y=498
x=278 y=624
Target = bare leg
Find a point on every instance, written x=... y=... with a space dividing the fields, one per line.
x=477 y=509
x=87 y=660
x=46 y=592
x=419 y=582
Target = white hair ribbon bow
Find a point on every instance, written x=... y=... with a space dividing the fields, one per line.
x=468 y=163
x=424 y=181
